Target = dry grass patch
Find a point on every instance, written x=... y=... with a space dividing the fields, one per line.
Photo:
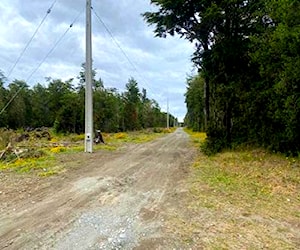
x=242 y=200
x=137 y=136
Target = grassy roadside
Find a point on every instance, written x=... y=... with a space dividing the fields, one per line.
x=43 y=157
x=248 y=199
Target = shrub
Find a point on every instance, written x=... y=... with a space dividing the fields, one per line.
x=157 y=130
x=58 y=149
x=121 y=135
x=5 y=137
x=216 y=141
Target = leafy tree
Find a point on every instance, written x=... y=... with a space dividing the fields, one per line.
x=248 y=54
x=220 y=30
x=196 y=23
x=107 y=110
x=67 y=117
x=19 y=111
x=63 y=105
x=40 y=107
x=60 y=104
x=132 y=101
x=277 y=52
x=194 y=99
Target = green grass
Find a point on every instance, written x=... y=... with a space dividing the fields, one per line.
x=251 y=197
x=197 y=137
x=43 y=158
x=255 y=176
x=137 y=136
x=42 y=166
x=105 y=147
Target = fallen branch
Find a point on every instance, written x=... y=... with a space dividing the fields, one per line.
x=7 y=150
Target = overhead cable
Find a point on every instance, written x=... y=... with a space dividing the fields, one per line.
x=41 y=63
x=31 y=39
x=121 y=49
x=114 y=40
x=53 y=48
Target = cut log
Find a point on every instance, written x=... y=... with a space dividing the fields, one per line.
x=8 y=150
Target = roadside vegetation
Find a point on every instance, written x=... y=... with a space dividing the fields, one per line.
x=60 y=105
x=41 y=156
x=242 y=199
x=247 y=54
x=40 y=124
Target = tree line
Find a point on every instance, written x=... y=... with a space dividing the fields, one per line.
x=60 y=104
x=248 y=58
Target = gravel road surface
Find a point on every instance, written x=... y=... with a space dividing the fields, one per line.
x=106 y=200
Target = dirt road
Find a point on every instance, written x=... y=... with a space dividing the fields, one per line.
x=106 y=200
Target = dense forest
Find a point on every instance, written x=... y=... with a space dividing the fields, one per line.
x=60 y=104
x=248 y=58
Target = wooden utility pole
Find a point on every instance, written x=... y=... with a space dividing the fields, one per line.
x=88 y=82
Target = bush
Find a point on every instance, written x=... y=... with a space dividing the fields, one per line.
x=215 y=142
x=157 y=130
x=5 y=137
x=211 y=147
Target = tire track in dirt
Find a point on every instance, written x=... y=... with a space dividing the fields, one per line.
x=117 y=203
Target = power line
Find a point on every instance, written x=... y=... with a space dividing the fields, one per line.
x=53 y=48
x=121 y=49
x=31 y=39
x=114 y=40
x=41 y=63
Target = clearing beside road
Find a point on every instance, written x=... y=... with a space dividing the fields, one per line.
x=162 y=194
x=105 y=200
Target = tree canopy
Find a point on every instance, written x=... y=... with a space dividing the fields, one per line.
x=60 y=104
x=247 y=53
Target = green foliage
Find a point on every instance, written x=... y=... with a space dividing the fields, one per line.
x=20 y=111
x=278 y=55
x=132 y=100
x=60 y=104
x=212 y=146
x=157 y=130
x=194 y=99
x=47 y=158
x=6 y=136
x=247 y=53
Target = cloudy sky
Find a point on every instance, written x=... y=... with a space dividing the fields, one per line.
x=160 y=65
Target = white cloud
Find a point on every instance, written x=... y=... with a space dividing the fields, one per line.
x=162 y=64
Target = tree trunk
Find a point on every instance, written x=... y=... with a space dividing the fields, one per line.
x=207 y=102
x=206 y=93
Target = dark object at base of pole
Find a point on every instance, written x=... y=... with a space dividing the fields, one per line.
x=99 y=137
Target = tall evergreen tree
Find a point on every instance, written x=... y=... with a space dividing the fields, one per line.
x=132 y=103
